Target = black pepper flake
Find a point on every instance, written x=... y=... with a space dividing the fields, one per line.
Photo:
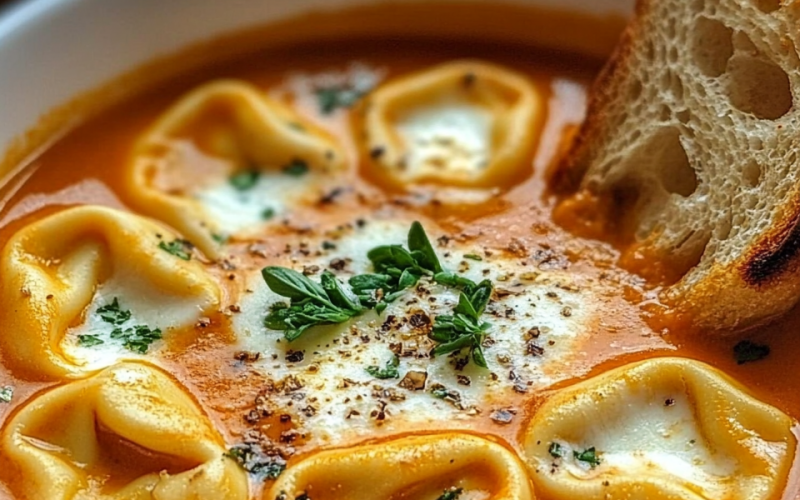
x=376 y=152
x=247 y=356
x=463 y=380
x=294 y=356
x=669 y=402
x=331 y=196
x=533 y=349
x=338 y=264
x=285 y=417
x=502 y=416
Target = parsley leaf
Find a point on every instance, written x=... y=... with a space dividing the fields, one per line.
x=332 y=98
x=181 y=249
x=137 y=338
x=89 y=340
x=389 y=371
x=473 y=256
x=555 y=450
x=297 y=168
x=748 y=352
x=464 y=329
x=6 y=393
x=113 y=313
x=268 y=213
x=421 y=248
x=588 y=456
x=451 y=493
x=244 y=179
x=256 y=462
x=312 y=303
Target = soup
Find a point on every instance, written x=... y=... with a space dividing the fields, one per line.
x=329 y=269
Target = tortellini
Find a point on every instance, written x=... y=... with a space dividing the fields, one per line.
x=464 y=124
x=59 y=271
x=661 y=429
x=418 y=467
x=217 y=131
x=127 y=433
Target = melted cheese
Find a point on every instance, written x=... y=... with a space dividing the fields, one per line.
x=665 y=428
x=333 y=370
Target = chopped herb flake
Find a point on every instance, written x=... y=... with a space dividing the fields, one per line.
x=555 y=450
x=256 y=462
x=748 y=352
x=268 y=213
x=89 y=340
x=330 y=99
x=451 y=493
x=588 y=456
x=137 y=338
x=389 y=371
x=6 y=393
x=219 y=238
x=473 y=256
x=244 y=180
x=113 y=313
x=181 y=249
x=297 y=168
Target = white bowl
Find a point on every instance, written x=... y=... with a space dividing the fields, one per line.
x=53 y=50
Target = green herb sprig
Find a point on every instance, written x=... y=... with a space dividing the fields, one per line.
x=464 y=328
x=397 y=269
x=311 y=303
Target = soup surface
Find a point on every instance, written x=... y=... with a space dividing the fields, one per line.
x=461 y=344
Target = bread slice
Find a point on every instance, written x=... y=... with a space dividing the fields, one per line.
x=693 y=130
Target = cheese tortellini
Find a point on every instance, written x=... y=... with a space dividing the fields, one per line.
x=418 y=467
x=180 y=169
x=661 y=429
x=464 y=124
x=76 y=277
x=127 y=433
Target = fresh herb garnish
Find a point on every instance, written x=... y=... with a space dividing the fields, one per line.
x=588 y=456
x=451 y=493
x=113 y=313
x=268 y=213
x=6 y=393
x=473 y=256
x=181 y=249
x=244 y=180
x=748 y=352
x=330 y=99
x=89 y=340
x=256 y=462
x=137 y=338
x=555 y=450
x=397 y=269
x=388 y=371
x=464 y=328
x=297 y=168
x=311 y=303
x=219 y=238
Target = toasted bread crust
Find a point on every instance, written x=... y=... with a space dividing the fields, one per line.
x=775 y=256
